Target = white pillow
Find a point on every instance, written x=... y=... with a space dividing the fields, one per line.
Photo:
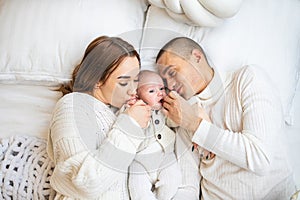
x=42 y=41
x=263 y=32
x=26 y=109
x=199 y=12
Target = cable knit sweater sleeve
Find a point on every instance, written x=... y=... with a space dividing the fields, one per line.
x=252 y=107
x=79 y=172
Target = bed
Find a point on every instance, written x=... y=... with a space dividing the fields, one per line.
x=42 y=41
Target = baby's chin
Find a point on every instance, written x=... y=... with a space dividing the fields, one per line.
x=157 y=106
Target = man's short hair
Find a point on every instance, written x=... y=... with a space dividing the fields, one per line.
x=180 y=46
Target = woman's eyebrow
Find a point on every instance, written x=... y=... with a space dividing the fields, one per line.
x=123 y=77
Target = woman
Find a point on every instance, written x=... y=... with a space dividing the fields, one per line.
x=90 y=146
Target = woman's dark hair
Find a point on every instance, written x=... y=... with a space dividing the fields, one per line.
x=102 y=56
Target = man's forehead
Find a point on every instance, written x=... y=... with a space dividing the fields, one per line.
x=164 y=57
x=167 y=59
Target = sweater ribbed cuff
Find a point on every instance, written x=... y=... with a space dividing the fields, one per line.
x=206 y=135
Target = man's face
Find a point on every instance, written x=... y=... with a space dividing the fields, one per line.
x=180 y=74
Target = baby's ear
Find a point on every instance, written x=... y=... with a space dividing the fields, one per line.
x=138 y=92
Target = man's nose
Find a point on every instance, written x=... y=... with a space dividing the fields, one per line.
x=170 y=84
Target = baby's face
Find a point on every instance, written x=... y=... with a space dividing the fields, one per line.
x=152 y=94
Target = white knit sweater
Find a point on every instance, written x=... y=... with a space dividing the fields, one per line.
x=245 y=135
x=91 y=148
x=155 y=163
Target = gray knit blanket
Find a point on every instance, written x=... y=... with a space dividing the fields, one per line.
x=25 y=168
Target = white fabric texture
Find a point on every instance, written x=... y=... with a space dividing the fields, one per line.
x=41 y=42
x=189 y=164
x=26 y=109
x=25 y=168
x=154 y=172
x=91 y=148
x=161 y=184
x=199 y=12
x=246 y=137
x=264 y=33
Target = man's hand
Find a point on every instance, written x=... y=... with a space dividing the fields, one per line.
x=181 y=112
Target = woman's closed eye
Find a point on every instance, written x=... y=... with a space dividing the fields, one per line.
x=123 y=84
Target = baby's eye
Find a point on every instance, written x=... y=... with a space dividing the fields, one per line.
x=162 y=88
x=151 y=91
x=136 y=80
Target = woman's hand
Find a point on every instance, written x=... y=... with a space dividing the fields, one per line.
x=140 y=112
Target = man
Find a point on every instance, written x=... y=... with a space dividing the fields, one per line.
x=236 y=116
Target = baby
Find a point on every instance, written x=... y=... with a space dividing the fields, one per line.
x=154 y=173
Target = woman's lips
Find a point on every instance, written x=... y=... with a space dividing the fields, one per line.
x=131 y=101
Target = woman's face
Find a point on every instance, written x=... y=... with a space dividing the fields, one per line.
x=121 y=85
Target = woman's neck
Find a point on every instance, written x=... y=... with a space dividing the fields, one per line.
x=99 y=95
